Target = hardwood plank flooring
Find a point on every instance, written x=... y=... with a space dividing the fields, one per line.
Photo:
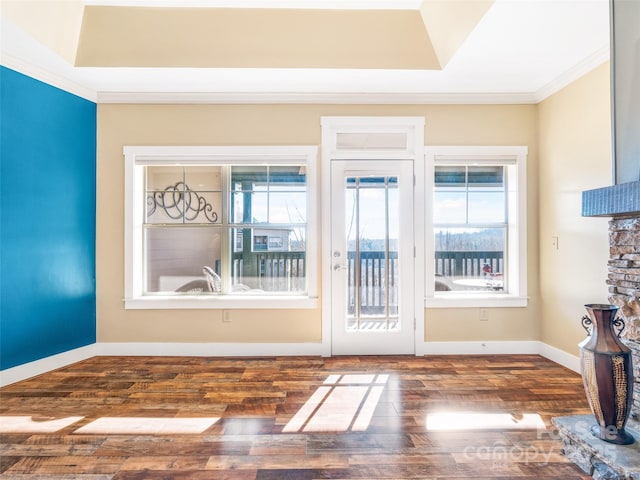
x=302 y=418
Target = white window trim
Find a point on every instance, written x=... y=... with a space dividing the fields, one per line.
x=199 y=155
x=517 y=225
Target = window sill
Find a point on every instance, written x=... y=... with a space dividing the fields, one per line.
x=187 y=302
x=465 y=300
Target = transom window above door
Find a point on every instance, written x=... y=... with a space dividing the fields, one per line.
x=218 y=227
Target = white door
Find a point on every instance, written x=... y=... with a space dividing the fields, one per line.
x=372 y=271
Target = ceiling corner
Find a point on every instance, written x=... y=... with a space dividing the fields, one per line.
x=448 y=24
x=54 y=23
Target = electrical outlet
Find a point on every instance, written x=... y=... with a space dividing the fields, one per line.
x=484 y=314
x=226 y=316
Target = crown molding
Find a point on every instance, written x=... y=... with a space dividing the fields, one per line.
x=595 y=60
x=290 y=4
x=46 y=76
x=382 y=98
x=228 y=98
x=22 y=53
x=344 y=98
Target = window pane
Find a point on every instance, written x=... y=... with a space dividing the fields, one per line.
x=265 y=259
x=203 y=179
x=249 y=198
x=270 y=260
x=164 y=198
x=394 y=212
x=175 y=257
x=288 y=207
x=470 y=259
x=486 y=194
x=372 y=141
x=180 y=205
x=486 y=207
x=249 y=207
x=246 y=177
x=450 y=207
x=171 y=196
x=450 y=176
x=394 y=252
x=450 y=195
x=372 y=227
x=256 y=211
x=287 y=175
x=161 y=178
x=281 y=199
x=372 y=204
x=237 y=207
x=287 y=194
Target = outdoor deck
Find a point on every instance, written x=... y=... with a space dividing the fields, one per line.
x=285 y=271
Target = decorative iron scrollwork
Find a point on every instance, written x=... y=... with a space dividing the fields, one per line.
x=619 y=324
x=587 y=324
x=179 y=202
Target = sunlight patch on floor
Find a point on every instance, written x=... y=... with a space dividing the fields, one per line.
x=343 y=403
x=147 y=426
x=453 y=421
x=34 y=424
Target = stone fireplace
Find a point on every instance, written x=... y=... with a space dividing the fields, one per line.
x=621 y=203
x=624 y=289
x=595 y=457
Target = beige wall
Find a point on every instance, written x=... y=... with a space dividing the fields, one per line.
x=575 y=155
x=120 y=125
x=490 y=125
x=120 y=36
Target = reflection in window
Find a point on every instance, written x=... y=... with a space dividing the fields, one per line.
x=224 y=229
x=269 y=194
x=274 y=260
x=183 y=195
x=175 y=256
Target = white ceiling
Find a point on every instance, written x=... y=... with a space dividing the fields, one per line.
x=520 y=52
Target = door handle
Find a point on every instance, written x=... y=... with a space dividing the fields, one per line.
x=337 y=267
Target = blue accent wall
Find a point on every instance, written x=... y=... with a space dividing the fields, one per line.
x=47 y=218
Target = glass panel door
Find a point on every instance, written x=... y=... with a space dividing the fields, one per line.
x=371 y=210
x=372 y=227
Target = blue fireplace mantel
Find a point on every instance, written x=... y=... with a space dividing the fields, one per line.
x=617 y=200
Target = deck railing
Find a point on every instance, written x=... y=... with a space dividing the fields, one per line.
x=468 y=264
x=285 y=271
x=374 y=290
x=272 y=271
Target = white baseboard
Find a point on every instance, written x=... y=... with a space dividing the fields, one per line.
x=498 y=348
x=28 y=370
x=481 y=348
x=44 y=365
x=560 y=356
x=212 y=349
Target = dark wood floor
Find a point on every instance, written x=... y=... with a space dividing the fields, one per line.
x=437 y=417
